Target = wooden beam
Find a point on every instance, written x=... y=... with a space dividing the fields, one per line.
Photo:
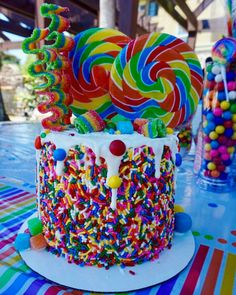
x=91 y=6
x=202 y=6
x=169 y=7
x=23 y=7
x=14 y=28
x=128 y=21
x=10 y=45
x=187 y=11
x=17 y=17
x=3 y=36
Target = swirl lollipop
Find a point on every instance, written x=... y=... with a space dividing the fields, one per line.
x=224 y=53
x=156 y=75
x=92 y=57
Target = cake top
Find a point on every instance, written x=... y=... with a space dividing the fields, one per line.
x=154 y=76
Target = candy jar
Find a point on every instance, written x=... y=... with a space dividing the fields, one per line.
x=185 y=139
x=219 y=126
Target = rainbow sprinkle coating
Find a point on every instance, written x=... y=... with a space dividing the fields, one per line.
x=79 y=223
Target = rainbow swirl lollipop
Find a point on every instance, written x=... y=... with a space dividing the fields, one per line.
x=92 y=57
x=224 y=51
x=156 y=75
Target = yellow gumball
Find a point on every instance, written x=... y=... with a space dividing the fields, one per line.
x=213 y=135
x=234 y=126
x=114 y=181
x=225 y=105
x=220 y=129
x=207 y=147
x=169 y=130
x=234 y=118
x=211 y=166
x=231 y=149
x=234 y=136
x=178 y=208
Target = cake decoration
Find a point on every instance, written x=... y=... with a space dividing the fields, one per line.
x=52 y=65
x=156 y=75
x=92 y=57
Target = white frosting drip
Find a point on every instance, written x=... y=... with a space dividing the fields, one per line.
x=99 y=142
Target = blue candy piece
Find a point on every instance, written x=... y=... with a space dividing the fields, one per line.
x=125 y=127
x=229 y=132
x=211 y=126
x=210 y=77
x=219 y=121
x=221 y=96
x=59 y=154
x=178 y=160
x=230 y=76
x=210 y=116
x=183 y=222
x=223 y=176
x=227 y=115
x=22 y=242
x=214 y=144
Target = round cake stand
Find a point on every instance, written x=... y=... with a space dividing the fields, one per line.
x=116 y=279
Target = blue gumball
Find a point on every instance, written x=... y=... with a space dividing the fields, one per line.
x=210 y=116
x=230 y=76
x=214 y=144
x=229 y=132
x=221 y=96
x=210 y=77
x=178 y=160
x=227 y=115
x=183 y=222
x=22 y=242
x=59 y=154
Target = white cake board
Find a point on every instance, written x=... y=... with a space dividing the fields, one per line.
x=116 y=279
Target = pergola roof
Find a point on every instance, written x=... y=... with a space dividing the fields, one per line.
x=23 y=16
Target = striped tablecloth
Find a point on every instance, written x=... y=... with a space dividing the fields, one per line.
x=212 y=270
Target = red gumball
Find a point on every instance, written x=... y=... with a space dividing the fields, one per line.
x=37 y=143
x=220 y=86
x=228 y=124
x=117 y=147
x=222 y=139
x=221 y=168
x=217 y=161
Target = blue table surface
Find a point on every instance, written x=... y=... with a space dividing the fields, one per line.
x=212 y=269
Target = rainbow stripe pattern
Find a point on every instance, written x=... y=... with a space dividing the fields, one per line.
x=156 y=75
x=211 y=271
x=92 y=57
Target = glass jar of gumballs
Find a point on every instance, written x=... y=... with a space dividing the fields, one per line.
x=219 y=128
x=185 y=139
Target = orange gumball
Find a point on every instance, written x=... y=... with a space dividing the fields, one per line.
x=207 y=156
x=215 y=173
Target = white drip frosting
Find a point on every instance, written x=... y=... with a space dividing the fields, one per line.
x=99 y=142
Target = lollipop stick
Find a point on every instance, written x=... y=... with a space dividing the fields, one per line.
x=223 y=72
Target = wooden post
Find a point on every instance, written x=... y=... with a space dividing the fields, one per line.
x=128 y=15
x=39 y=20
x=107 y=9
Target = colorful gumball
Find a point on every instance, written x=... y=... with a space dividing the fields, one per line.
x=183 y=222
x=156 y=76
x=117 y=147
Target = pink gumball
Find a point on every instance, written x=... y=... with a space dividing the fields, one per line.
x=231 y=85
x=225 y=156
x=217 y=112
x=222 y=149
x=214 y=153
x=207 y=139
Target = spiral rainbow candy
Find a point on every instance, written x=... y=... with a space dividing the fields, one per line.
x=52 y=66
x=89 y=122
x=156 y=75
x=92 y=57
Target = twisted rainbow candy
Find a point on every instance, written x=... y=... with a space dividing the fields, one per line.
x=156 y=75
x=92 y=57
x=52 y=66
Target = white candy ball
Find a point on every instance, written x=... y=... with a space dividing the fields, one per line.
x=232 y=95
x=216 y=70
x=218 y=78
